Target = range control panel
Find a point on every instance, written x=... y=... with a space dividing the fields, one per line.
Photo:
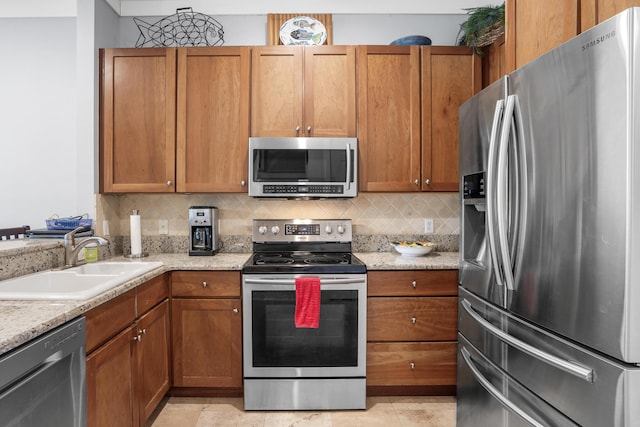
x=297 y=230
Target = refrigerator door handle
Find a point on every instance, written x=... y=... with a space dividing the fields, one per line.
x=492 y=226
x=493 y=391
x=582 y=372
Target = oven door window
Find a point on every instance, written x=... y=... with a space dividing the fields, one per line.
x=286 y=165
x=278 y=343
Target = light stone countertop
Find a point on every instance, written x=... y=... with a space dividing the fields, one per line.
x=21 y=321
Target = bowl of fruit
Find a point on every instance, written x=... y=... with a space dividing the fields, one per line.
x=413 y=247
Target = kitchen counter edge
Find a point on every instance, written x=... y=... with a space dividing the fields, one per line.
x=22 y=321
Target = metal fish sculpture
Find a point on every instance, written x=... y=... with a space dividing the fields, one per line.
x=185 y=28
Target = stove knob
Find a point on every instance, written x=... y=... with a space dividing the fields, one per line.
x=341 y=229
x=328 y=229
x=262 y=229
x=275 y=229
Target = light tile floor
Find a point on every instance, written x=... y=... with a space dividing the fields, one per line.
x=411 y=411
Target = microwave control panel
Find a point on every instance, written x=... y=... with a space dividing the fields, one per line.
x=302 y=189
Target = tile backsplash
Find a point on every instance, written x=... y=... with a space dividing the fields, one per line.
x=372 y=214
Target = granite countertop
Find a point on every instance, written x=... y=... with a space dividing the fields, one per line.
x=21 y=321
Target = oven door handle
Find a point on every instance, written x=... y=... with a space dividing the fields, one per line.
x=323 y=281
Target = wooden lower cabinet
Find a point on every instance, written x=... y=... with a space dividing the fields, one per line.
x=411 y=332
x=128 y=374
x=207 y=330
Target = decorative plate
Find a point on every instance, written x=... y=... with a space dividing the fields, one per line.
x=303 y=30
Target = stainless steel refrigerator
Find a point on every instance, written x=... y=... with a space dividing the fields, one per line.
x=549 y=297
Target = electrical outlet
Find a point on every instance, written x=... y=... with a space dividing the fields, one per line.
x=428 y=225
x=163 y=226
x=105 y=227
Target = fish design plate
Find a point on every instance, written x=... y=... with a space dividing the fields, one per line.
x=303 y=31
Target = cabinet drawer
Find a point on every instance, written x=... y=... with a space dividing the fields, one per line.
x=205 y=284
x=412 y=319
x=151 y=293
x=413 y=283
x=106 y=320
x=411 y=363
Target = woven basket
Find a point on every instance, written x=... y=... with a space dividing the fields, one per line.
x=490 y=35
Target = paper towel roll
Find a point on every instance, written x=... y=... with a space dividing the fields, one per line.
x=136 y=234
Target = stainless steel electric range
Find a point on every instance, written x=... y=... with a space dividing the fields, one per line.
x=288 y=367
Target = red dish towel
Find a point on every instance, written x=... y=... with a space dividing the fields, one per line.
x=307 y=302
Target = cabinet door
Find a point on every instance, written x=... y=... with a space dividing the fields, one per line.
x=450 y=76
x=213 y=119
x=276 y=91
x=537 y=26
x=207 y=342
x=330 y=91
x=152 y=359
x=137 y=144
x=110 y=383
x=389 y=118
x=594 y=12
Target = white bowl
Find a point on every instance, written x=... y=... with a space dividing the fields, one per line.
x=416 y=249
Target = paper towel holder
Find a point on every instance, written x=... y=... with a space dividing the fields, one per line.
x=135 y=213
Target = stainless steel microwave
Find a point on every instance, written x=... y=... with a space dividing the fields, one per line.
x=303 y=167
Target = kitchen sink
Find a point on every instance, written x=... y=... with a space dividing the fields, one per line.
x=76 y=283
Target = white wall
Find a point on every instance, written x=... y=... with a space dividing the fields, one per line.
x=38 y=164
x=248 y=30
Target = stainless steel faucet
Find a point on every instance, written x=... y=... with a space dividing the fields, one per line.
x=71 y=250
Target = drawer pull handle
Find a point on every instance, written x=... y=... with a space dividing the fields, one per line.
x=235 y=311
x=412 y=365
x=142 y=331
x=413 y=320
x=137 y=338
x=414 y=284
x=204 y=284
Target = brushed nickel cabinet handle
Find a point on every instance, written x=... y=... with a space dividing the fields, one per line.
x=427 y=181
x=297 y=130
x=416 y=182
x=168 y=183
x=308 y=130
x=412 y=365
x=414 y=320
x=137 y=338
x=414 y=284
x=235 y=311
x=204 y=284
x=243 y=183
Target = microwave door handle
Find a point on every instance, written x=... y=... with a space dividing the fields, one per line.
x=348 y=177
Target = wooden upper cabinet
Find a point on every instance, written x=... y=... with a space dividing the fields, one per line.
x=534 y=27
x=213 y=119
x=450 y=76
x=137 y=135
x=593 y=12
x=389 y=118
x=303 y=91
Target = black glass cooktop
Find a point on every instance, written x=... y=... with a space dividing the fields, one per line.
x=308 y=262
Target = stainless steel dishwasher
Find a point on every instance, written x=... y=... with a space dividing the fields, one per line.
x=42 y=383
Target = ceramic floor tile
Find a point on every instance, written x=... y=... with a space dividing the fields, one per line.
x=391 y=411
x=297 y=419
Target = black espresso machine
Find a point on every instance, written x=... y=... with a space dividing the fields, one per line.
x=203 y=230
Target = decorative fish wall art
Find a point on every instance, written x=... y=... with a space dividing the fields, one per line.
x=184 y=28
